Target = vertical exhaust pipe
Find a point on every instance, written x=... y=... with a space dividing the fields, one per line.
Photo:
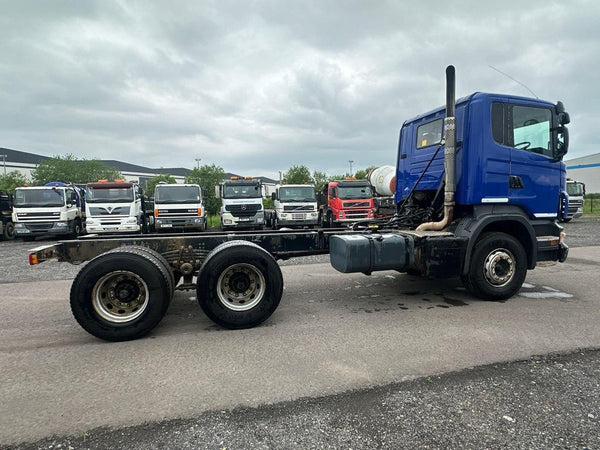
x=449 y=156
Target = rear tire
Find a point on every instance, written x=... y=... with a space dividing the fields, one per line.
x=121 y=295
x=239 y=285
x=498 y=267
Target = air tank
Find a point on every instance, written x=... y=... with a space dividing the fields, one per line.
x=383 y=180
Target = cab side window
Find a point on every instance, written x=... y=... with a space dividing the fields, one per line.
x=430 y=133
x=525 y=128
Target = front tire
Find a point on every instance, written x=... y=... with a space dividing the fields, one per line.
x=498 y=267
x=121 y=295
x=9 y=231
x=239 y=285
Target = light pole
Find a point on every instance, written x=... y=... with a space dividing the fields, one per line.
x=197 y=162
x=280 y=177
x=4 y=163
x=351 y=162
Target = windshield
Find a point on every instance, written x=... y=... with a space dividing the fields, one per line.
x=241 y=191
x=39 y=197
x=352 y=192
x=297 y=194
x=116 y=195
x=177 y=194
x=575 y=189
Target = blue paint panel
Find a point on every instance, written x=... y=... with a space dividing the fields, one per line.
x=483 y=166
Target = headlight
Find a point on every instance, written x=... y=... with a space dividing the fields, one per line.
x=131 y=220
x=341 y=215
x=60 y=225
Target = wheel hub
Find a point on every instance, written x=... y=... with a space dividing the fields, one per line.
x=499 y=267
x=241 y=287
x=120 y=296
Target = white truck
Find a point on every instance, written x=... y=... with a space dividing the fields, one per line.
x=294 y=206
x=53 y=209
x=576 y=191
x=178 y=207
x=115 y=207
x=242 y=205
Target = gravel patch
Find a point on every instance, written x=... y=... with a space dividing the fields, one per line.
x=542 y=402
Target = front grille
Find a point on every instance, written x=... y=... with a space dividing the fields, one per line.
x=356 y=204
x=39 y=226
x=27 y=217
x=242 y=210
x=298 y=216
x=298 y=208
x=177 y=212
x=102 y=211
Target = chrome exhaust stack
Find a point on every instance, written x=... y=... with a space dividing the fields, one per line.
x=449 y=156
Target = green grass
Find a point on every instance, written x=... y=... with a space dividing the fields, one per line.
x=591 y=204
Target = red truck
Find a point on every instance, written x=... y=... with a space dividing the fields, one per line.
x=345 y=201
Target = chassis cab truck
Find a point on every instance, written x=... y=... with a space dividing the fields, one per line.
x=480 y=185
x=52 y=210
x=345 y=202
x=178 y=207
x=576 y=192
x=294 y=206
x=115 y=207
x=7 y=227
x=241 y=204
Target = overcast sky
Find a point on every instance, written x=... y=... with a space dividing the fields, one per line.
x=258 y=86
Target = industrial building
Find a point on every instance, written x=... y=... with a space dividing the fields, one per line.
x=587 y=170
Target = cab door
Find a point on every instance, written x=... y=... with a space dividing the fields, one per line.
x=534 y=182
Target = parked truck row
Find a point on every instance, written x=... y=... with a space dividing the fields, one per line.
x=480 y=186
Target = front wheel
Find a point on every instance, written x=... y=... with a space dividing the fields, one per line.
x=239 y=285
x=498 y=267
x=9 y=231
x=77 y=228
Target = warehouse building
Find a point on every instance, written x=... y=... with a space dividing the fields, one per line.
x=587 y=170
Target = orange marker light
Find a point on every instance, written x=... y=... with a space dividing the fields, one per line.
x=33 y=259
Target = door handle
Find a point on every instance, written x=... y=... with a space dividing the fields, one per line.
x=515 y=182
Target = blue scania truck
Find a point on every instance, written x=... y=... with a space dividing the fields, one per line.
x=480 y=188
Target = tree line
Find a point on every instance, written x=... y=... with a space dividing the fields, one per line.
x=81 y=171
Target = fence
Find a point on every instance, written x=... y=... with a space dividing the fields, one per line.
x=591 y=205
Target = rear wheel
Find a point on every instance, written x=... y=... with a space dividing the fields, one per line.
x=121 y=295
x=239 y=285
x=498 y=267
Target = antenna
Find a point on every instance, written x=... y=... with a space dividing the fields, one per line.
x=515 y=80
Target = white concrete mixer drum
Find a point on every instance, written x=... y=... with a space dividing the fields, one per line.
x=383 y=180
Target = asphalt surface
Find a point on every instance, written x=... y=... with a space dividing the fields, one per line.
x=329 y=370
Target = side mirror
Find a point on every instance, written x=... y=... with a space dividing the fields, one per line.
x=273 y=196
x=562 y=146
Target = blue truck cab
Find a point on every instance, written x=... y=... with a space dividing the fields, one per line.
x=508 y=152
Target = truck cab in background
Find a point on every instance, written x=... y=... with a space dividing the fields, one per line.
x=54 y=209
x=178 y=207
x=7 y=227
x=345 y=201
x=294 y=206
x=115 y=207
x=576 y=192
x=241 y=203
